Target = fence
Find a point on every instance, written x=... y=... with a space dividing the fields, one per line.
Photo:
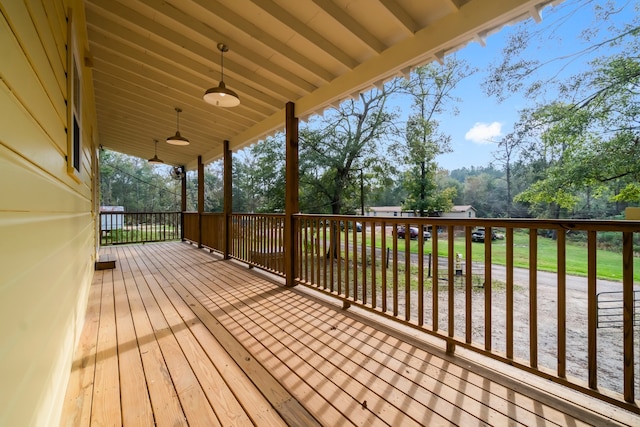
x=138 y=227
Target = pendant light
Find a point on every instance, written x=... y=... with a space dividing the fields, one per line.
x=155 y=160
x=220 y=96
x=178 y=139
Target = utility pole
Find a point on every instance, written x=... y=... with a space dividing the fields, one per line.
x=361 y=193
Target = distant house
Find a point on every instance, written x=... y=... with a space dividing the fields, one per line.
x=388 y=211
x=463 y=211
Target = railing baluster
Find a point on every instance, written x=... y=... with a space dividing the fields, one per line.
x=373 y=268
x=384 y=266
x=338 y=255
x=421 y=279
x=468 y=266
x=305 y=249
x=592 y=347
x=407 y=273
x=509 y=302
x=354 y=248
x=533 y=298
x=347 y=276
x=363 y=258
x=318 y=251
x=562 y=303
x=627 y=293
x=434 y=280
x=394 y=290
x=488 y=279
x=451 y=296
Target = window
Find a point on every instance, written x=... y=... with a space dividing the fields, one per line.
x=74 y=111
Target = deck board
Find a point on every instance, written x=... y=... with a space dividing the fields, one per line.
x=176 y=336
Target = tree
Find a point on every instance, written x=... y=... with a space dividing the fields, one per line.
x=506 y=154
x=135 y=184
x=584 y=142
x=340 y=143
x=429 y=88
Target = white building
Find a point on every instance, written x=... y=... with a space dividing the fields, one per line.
x=463 y=211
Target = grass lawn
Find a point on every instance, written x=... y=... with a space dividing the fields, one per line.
x=609 y=264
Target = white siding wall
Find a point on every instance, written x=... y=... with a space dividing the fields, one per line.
x=47 y=218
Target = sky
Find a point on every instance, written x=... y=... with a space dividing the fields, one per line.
x=482 y=119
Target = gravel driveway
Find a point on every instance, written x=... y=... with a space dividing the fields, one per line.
x=609 y=340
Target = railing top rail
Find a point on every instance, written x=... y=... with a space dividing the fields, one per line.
x=258 y=214
x=560 y=224
x=139 y=213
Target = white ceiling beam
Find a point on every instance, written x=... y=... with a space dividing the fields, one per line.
x=188 y=80
x=269 y=42
x=350 y=24
x=303 y=30
x=401 y=15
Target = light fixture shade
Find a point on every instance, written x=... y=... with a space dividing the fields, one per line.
x=155 y=160
x=177 y=139
x=220 y=96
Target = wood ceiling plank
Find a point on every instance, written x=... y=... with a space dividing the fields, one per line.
x=202 y=111
x=175 y=42
x=401 y=15
x=212 y=54
x=153 y=85
x=303 y=30
x=349 y=23
x=157 y=54
x=154 y=70
x=267 y=40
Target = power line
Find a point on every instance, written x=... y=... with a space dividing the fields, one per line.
x=140 y=179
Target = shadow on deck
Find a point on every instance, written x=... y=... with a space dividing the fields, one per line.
x=175 y=336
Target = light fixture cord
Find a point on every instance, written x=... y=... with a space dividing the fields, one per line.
x=221 y=65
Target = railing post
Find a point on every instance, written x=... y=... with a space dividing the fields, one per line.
x=200 y=198
x=228 y=198
x=291 y=194
x=183 y=202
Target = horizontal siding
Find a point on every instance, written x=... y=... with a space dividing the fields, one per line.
x=47 y=220
x=30 y=76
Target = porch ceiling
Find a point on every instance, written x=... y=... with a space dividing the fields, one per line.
x=150 y=56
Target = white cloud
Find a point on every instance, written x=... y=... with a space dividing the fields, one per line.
x=484 y=133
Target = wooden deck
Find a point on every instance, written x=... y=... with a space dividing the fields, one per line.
x=175 y=336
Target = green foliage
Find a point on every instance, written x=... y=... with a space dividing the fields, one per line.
x=581 y=148
x=429 y=88
x=344 y=147
x=135 y=184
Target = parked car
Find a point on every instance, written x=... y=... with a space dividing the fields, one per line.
x=478 y=235
x=350 y=225
x=413 y=233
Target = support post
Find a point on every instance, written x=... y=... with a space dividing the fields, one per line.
x=228 y=199
x=183 y=201
x=291 y=194
x=200 y=198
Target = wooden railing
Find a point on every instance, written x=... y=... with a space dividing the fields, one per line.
x=492 y=297
x=191 y=226
x=138 y=227
x=213 y=231
x=258 y=239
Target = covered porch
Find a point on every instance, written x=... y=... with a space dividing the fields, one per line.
x=177 y=335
